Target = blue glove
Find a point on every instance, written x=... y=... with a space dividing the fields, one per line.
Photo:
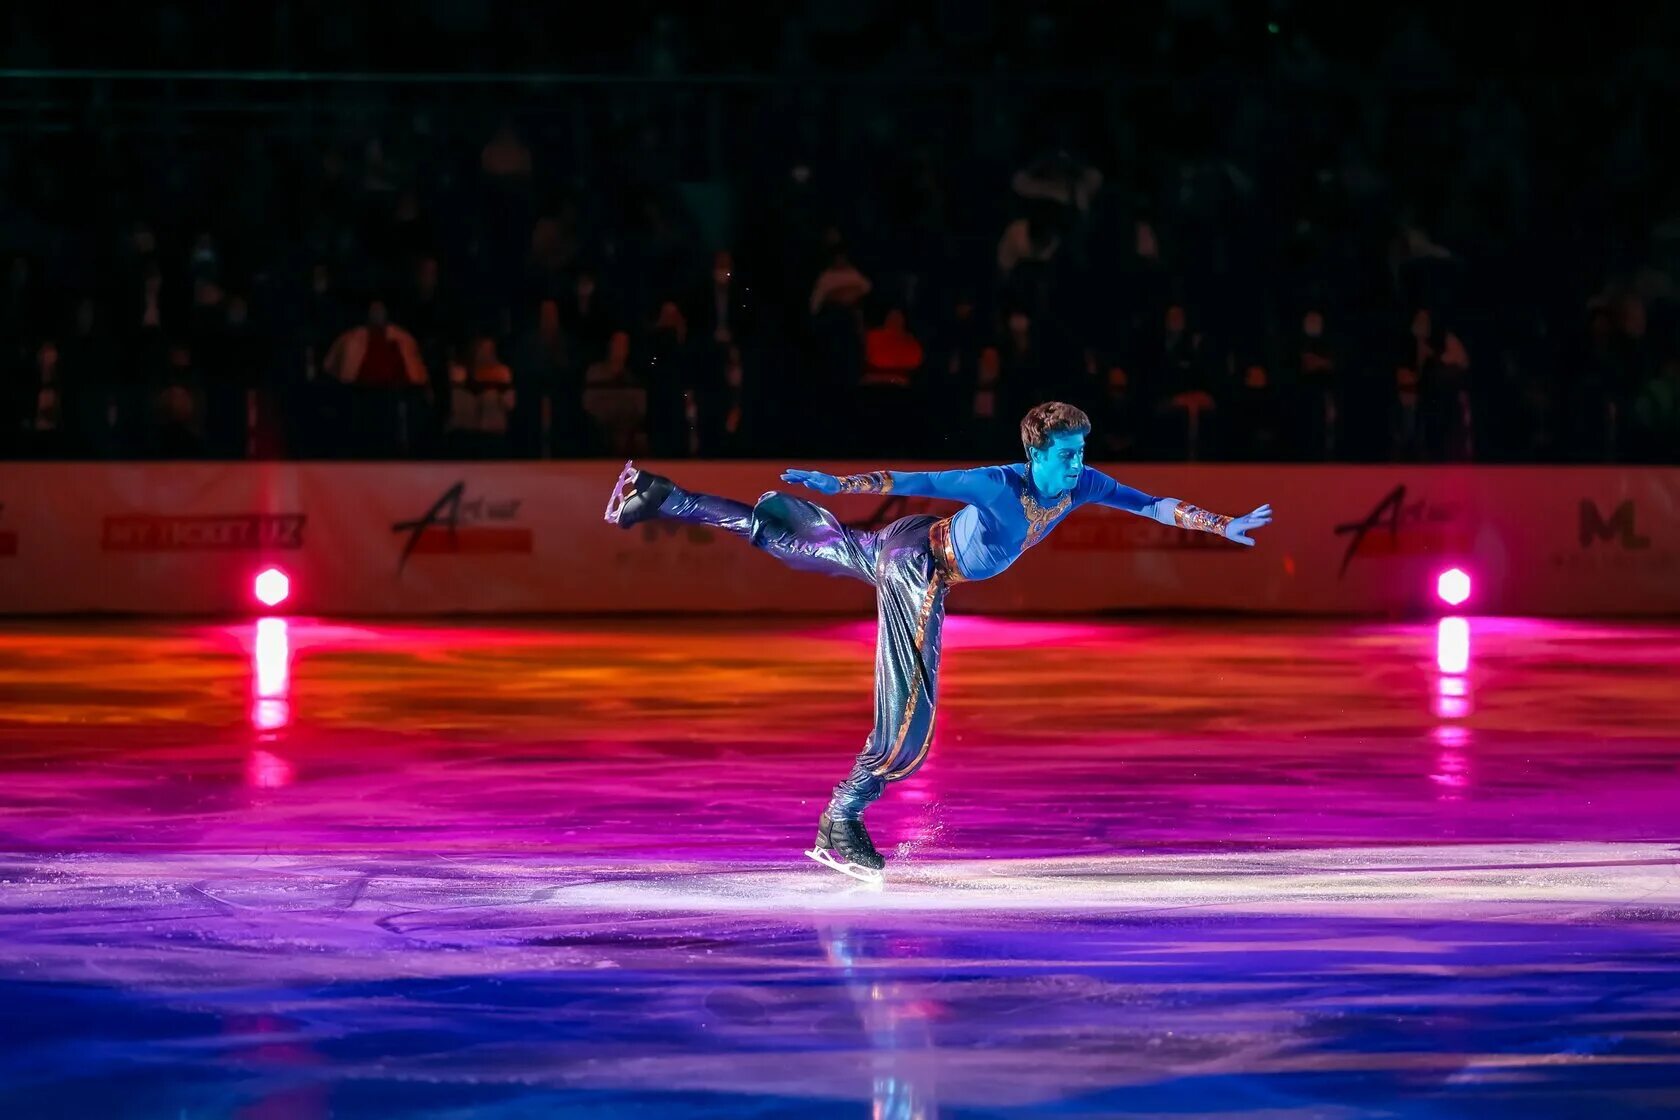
x=816 y=480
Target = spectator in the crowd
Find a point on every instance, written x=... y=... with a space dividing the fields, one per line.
x=505 y=158
x=892 y=355
x=410 y=235
x=481 y=401
x=672 y=392
x=721 y=313
x=1119 y=422
x=325 y=314
x=988 y=414
x=1185 y=386
x=381 y=362
x=204 y=264
x=430 y=316
x=146 y=349
x=1317 y=389
x=1591 y=390
x=550 y=411
x=840 y=285
x=616 y=401
x=506 y=214
x=891 y=399
x=1256 y=429
x=97 y=392
x=726 y=425
x=1059 y=177
x=223 y=385
x=1022 y=359
x=377 y=355
x=952 y=360
x=1407 y=438
x=552 y=254
x=1656 y=412
x=586 y=318
x=1032 y=239
x=177 y=431
x=43 y=406
x=1442 y=368
x=1422 y=269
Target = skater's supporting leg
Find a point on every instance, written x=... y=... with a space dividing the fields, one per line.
x=911 y=593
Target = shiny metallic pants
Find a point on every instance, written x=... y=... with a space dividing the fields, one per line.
x=910 y=590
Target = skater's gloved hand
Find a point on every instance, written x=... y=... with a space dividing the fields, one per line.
x=1238 y=529
x=816 y=480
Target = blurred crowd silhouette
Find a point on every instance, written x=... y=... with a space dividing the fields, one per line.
x=1228 y=232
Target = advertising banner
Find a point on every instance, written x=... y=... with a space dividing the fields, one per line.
x=442 y=538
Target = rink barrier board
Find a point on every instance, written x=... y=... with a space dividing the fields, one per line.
x=445 y=538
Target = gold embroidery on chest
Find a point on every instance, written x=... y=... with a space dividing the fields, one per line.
x=1040 y=518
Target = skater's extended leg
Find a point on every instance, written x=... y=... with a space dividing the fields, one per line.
x=641 y=495
x=799 y=533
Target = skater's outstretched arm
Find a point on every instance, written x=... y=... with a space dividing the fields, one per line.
x=973 y=485
x=1170 y=511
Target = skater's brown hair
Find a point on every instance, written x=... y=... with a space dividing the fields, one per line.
x=1052 y=418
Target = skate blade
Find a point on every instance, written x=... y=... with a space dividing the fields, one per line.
x=621 y=492
x=863 y=874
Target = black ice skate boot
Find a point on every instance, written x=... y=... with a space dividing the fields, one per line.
x=636 y=496
x=851 y=840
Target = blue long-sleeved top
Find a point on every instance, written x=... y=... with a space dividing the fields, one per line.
x=993 y=528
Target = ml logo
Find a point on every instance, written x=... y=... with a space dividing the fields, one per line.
x=1619 y=525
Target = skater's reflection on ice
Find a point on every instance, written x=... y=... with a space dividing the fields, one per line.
x=895 y=1015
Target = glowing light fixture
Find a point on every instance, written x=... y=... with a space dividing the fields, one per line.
x=272 y=587
x=1453 y=586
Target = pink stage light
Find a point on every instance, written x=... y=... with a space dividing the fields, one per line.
x=1452 y=645
x=272 y=587
x=1453 y=586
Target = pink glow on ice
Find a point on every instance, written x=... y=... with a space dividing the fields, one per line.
x=1452 y=735
x=1453 y=586
x=973 y=631
x=270 y=715
x=271 y=659
x=1452 y=763
x=272 y=587
x=267 y=770
x=1452 y=707
x=1452 y=645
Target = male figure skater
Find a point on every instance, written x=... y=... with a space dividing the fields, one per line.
x=912 y=563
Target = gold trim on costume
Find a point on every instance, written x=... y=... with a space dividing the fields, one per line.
x=1039 y=518
x=910 y=767
x=944 y=551
x=1187 y=516
x=871 y=482
x=883 y=769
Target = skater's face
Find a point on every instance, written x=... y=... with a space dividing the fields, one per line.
x=1057 y=466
